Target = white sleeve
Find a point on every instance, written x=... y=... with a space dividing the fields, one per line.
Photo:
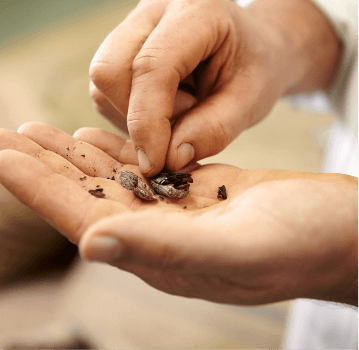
x=343 y=18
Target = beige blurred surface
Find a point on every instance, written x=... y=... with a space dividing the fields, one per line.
x=45 y=78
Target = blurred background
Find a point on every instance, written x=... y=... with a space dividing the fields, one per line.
x=48 y=297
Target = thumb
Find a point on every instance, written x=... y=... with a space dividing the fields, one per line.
x=206 y=129
x=149 y=239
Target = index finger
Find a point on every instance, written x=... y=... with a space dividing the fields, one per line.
x=170 y=54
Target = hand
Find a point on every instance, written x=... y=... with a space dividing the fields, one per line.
x=235 y=62
x=279 y=235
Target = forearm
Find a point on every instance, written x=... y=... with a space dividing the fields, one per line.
x=314 y=50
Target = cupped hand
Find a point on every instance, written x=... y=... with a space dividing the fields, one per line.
x=211 y=67
x=279 y=235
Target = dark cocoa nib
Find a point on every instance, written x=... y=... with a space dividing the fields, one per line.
x=222 y=192
x=97 y=193
x=171 y=178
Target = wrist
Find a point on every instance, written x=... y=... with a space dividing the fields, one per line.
x=310 y=51
x=341 y=283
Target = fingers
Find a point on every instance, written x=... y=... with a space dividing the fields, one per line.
x=143 y=60
x=115 y=146
x=110 y=183
x=158 y=68
x=59 y=200
x=103 y=171
x=89 y=159
x=17 y=142
x=183 y=102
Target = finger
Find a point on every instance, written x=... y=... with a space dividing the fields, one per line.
x=115 y=146
x=59 y=200
x=89 y=159
x=107 y=109
x=111 y=67
x=157 y=71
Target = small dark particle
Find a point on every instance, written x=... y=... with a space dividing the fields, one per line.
x=161 y=198
x=222 y=193
x=98 y=186
x=112 y=178
x=68 y=148
x=185 y=207
x=82 y=178
x=82 y=155
x=97 y=193
x=114 y=170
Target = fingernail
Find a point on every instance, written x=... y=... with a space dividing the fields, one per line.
x=105 y=249
x=143 y=162
x=185 y=154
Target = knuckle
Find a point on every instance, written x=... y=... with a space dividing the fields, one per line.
x=102 y=75
x=146 y=62
x=138 y=127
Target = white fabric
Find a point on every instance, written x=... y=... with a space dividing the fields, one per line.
x=322 y=325
x=315 y=324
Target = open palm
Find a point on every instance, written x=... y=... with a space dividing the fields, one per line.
x=275 y=230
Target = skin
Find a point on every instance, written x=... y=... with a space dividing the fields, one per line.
x=238 y=62
x=279 y=235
